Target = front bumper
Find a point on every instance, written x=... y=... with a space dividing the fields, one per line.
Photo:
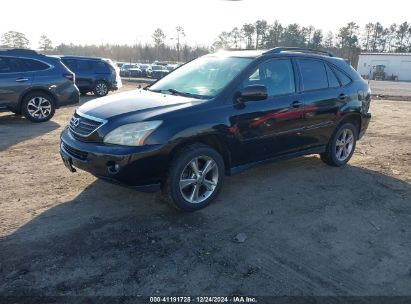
x=365 y=121
x=142 y=167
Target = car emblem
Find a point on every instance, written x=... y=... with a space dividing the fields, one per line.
x=76 y=122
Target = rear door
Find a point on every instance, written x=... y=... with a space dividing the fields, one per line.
x=323 y=96
x=14 y=79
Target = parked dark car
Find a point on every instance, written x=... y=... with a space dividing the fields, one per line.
x=97 y=75
x=157 y=71
x=135 y=72
x=144 y=68
x=125 y=69
x=218 y=115
x=34 y=85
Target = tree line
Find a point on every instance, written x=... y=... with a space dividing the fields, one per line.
x=348 y=42
x=139 y=52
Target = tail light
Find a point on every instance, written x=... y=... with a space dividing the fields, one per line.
x=70 y=77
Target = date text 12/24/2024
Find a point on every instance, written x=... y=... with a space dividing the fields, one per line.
x=207 y=299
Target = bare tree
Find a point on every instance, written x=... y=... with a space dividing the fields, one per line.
x=45 y=44
x=13 y=39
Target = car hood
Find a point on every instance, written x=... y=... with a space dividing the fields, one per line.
x=134 y=102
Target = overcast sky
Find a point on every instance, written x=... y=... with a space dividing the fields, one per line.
x=131 y=21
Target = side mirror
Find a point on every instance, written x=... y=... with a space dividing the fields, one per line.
x=253 y=92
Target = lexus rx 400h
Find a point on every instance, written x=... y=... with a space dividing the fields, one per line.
x=218 y=115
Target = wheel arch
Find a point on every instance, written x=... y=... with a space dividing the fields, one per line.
x=33 y=90
x=214 y=141
x=354 y=118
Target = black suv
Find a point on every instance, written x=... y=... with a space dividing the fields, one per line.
x=97 y=75
x=34 y=85
x=218 y=115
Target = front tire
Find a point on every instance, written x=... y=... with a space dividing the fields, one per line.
x=100 y=88
x=38 y=107
x=341 y=146
x=194 y=178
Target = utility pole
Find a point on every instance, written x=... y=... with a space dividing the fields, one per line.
x=180 y=31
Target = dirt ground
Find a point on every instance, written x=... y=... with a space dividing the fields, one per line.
x=311 y=229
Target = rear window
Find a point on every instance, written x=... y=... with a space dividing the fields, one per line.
x=314 y=75
x=343 y=78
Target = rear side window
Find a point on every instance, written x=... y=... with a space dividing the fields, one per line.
x=35 y=65
x=276 y=75
x=16 y=65
x=332 y=79
x=314 y=76
x=84 y=65
x=100 y=67
x=343 y=78
x=4 y=67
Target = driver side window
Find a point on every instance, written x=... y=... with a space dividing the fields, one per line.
x=277 y=75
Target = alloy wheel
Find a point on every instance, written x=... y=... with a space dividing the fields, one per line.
x=39 y=107
x=199 y=179
x=101 y=89
x=344 y=144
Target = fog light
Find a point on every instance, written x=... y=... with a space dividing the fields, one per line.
x=112 y=167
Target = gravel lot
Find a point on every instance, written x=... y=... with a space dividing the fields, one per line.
x=391 y=88
x=310 y=229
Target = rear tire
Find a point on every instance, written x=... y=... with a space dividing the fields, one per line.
x=341 y=146
x=38 y=107
x=194 y=178
x=100 y=88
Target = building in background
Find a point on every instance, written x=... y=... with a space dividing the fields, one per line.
x=385 y=66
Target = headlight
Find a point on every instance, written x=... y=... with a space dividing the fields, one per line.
x=132 y=134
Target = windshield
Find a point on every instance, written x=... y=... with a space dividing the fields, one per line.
x=156 y=67
x=203 y=77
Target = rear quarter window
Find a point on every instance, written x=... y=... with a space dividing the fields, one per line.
x=344 y=79
x=313 y=73
x=35 y=65
x=332 y=79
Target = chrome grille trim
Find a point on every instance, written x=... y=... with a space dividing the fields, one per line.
x=85 y=128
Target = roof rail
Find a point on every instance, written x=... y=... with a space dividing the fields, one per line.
x=18 y=51
x=278 y=50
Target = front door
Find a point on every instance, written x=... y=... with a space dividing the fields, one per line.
x=270 y=127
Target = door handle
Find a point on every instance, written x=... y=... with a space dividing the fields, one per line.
x=21 y=79
x=341 y=96
x=297 y=104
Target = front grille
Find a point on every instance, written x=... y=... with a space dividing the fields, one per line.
x=74 y=152
x=80 y=125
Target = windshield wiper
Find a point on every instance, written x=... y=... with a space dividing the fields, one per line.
x=176 y=92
